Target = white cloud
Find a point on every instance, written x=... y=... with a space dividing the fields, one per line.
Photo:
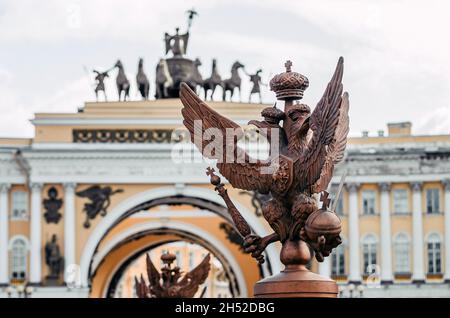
x=56 y=20
x=396 y=55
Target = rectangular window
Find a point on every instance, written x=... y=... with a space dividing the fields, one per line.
x=402 y=257
x=370 y=258
x=338 y=262
x=432 y=201
x=19 y=205
x=400 y=197
x=368 y=197
x=434 y=258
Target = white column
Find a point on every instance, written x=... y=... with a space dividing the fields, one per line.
x=69 y=224
x=4 y=233
x=35 y=234
x=325 y=267
x=386 y=243
x=353 y=236
x=418 y=248
x=447 y=230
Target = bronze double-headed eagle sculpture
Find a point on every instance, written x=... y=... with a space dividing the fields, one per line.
x=304 y=150
x=170 y=282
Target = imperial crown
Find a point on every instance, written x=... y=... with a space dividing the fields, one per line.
x=289 y=85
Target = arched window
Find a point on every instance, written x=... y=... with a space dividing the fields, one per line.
x=369 y=246
x=338 y=261
x=401 y=249
x=18 y=259
x=434 y=254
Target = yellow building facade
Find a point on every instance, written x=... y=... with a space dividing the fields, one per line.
x=395 y=207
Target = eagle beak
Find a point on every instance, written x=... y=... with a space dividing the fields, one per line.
x=256 y=123
x=305 y=125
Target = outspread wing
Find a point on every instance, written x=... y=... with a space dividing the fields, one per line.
x=201 y=120
x=191 y=281
x=90 y=192
x=185 y=38
x=336 y=149
x=323 y=122
x=167 y=39
x=141 y=288
x=154 y=277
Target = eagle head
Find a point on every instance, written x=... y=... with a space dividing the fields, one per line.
x=299 y=115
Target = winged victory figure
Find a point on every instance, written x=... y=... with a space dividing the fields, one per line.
x=100 y=198
x=309 y=143
x=170 y=283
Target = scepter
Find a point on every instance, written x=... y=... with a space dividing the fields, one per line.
x=238 y=220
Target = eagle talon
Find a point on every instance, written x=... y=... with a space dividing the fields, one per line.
x=255 y=245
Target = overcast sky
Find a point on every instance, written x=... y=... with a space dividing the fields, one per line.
x=397 y=53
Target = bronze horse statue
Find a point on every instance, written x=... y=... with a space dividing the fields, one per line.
x=212 y=82
x=163 y=79
x=123 y=84
x=142 y=81
x=233 y=82
x=197 y=76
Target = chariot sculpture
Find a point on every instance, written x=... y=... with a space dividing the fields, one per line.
x=304 y=151
x=172 y=71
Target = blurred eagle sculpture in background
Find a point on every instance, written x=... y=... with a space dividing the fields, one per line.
x=304 y=151
x=170 y=283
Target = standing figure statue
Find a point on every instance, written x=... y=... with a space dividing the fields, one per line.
x=100 y=82
x=213 y=81
x=233 y=82
x=123 y=84
x=142 y=81
x=256 y=80
x=176 y=43
x=163 y=80
x=191 y=14
x=305 y=147
x=53 y=258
